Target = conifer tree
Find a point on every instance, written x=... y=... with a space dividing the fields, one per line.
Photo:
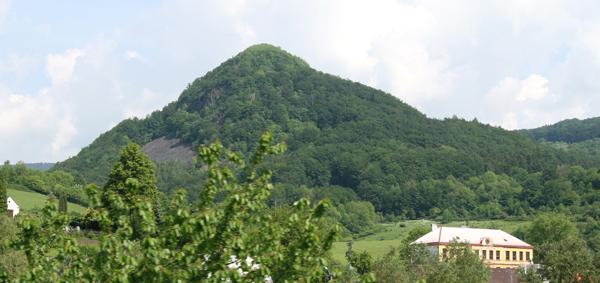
x=133 y=181
x=3 y=195
x=132 y=177
x=3 y=188
x=62 y=203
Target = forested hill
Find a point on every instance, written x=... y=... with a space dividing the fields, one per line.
x=580 y=137
x=570 y=131
x=339 y=133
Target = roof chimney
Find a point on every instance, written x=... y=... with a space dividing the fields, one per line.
x=433 y=226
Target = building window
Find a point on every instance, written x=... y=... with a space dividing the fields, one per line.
x=521 y=256
x=497 y=255
x=514 y=255
x=484 y=254
x=491 y=254
x=507 y=255
x=527 y=256
x=445 y=253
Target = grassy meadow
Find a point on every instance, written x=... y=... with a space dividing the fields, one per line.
x=31 y=200
x=389 y=235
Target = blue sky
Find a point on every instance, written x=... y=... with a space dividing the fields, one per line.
x=70 y=70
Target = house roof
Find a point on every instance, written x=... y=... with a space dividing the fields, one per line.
x=472 y=236
x=11 y=204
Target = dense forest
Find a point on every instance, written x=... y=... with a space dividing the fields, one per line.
x=345 y=139
x=572 y=135
x=569 y=131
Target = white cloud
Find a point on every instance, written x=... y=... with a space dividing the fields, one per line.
x=527 y=103
x=133 y=55
x=64 y=133
x=534 y=87
x=60 y=67
x=27 y=123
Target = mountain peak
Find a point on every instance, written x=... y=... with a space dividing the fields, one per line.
x=267 y=55
x=264 y=47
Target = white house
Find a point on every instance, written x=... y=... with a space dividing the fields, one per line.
x=13 y=207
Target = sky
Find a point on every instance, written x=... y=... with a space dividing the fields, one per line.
x=71 y=70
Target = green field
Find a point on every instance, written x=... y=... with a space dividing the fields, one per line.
x=389 y=235
x=31 y=200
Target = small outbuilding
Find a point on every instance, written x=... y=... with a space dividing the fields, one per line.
x=13 y=207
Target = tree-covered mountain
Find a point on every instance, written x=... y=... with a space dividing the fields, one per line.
x=343 y=136
x=576 y=136
x=570 y=131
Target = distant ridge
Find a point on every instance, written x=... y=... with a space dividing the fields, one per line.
x=42 y=166
x=570 y=130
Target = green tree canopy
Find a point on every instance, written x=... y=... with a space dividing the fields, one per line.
x=460 y=265
x=133 y=164
x=568 y=260
x=3 y=195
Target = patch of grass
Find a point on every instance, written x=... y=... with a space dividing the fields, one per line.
x=376 y=249
x=389 y=235
x=32 y=200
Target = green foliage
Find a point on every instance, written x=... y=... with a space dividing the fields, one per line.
x=3 y=194
x=12 y=262
x=461 y=265
x=361 y=262
x=58 y=182
x=133 y=166
x=358 y=216
x=560 y=248
x=416 y=263
x=570 y=131
x=550 y=228
x=62 y=204
x=233 y=240
x=568 y=260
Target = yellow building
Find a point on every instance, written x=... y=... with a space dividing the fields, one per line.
x=497 y=248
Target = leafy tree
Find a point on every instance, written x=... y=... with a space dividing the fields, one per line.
x=568 y=260
x=3 y=195
x=12 y=262
x=358 y=216
x=132 y=164
x=460 y=265
x=550 y=228
x=393 y=268
x=62 y=204
x=362 y=262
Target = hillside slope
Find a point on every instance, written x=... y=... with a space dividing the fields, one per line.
x=339 y=132
x=581 y=137
x=570 y=131
x=32 y=200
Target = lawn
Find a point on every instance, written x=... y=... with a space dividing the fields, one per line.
x=389 y=235
x=31 y=200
